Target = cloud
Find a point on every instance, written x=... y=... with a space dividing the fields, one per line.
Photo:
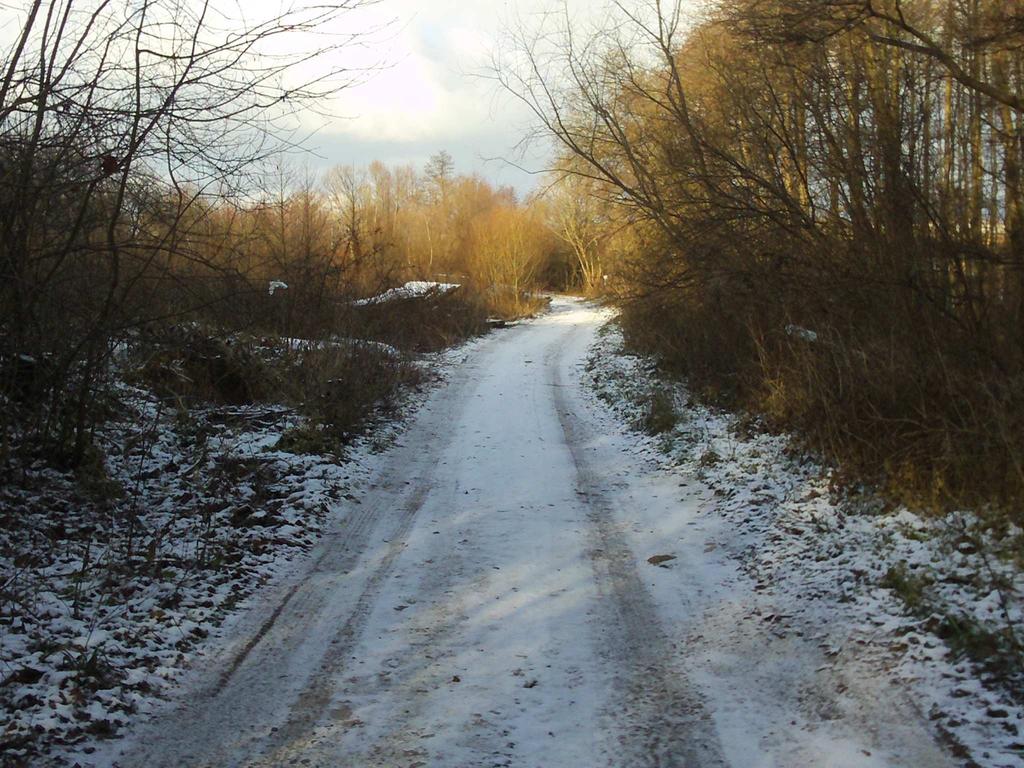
x=430 y=95
x=429 y=89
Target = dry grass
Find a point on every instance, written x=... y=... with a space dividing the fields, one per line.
x=908 y=403
x=422 y=324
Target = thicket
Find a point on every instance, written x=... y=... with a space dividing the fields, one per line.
x=815 y=211
x=153 y=223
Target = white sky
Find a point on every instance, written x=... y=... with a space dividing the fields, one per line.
x=424 y=95
x=427 y=97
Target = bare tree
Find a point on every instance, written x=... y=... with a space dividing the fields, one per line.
x=104 y=105
x=578 y=221
x=848 y=166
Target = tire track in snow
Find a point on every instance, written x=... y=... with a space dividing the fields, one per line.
x=662 y=721
x=315 y=698
x=352 y=538
x=296 y=735
x=241 y=720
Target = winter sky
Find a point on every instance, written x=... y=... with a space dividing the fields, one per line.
x=424 y=89
x=429 y=94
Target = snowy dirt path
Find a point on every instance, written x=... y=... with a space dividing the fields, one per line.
x=489 y=603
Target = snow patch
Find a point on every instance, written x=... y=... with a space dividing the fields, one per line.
x=411 y=290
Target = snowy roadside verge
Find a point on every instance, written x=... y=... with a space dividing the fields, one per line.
x=913 y=597
x=113 y=582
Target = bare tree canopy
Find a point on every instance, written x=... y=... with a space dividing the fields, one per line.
x=853 y=168
x=115 y=119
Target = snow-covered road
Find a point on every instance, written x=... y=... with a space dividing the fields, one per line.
x=489 y=602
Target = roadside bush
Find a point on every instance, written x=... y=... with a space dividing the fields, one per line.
x=910 y=400
x=338 y=384
x=659 y=413
x=911 y=588
x=340 y=387
x=188 y=364
x=423 y=323
x=919 y=413
x=507 y=304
